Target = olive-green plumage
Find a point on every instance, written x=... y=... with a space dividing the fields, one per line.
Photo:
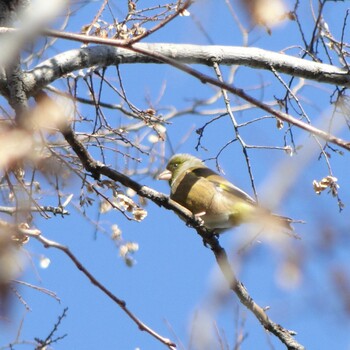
x=219 y=203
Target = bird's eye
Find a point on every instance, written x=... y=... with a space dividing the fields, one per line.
x=176 y=165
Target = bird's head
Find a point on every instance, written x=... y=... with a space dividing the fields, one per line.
x=177 y=164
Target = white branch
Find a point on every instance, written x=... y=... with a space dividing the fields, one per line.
x=103 y=56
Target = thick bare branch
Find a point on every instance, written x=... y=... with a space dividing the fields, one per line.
x=226 y=55
x=54 y=68
x=51 y=70
x=97 y=169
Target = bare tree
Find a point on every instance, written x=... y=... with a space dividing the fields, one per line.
x=73 y=116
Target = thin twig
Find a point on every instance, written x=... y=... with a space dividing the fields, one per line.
x=235 y=126
x=240 y=93
x=46 y=208
x=121 y=303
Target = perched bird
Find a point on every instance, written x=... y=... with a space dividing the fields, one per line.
x=220 y=204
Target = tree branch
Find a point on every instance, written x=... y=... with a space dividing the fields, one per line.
x=54 y=68
x=225 y=55
x=142 y=326
x=240 y=93
x=97 y=169
x=25 y=232
x=285 y=335
x=45 y=208
x=108 y=54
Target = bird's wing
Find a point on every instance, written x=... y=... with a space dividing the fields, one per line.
x=222 y=184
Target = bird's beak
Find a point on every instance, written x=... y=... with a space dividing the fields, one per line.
x=165 y=175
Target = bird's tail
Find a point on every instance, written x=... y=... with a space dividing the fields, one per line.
x=286 y=223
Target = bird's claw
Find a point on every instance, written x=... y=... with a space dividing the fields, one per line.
x=198 y=217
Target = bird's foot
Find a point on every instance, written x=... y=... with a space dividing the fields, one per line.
x=198 y=218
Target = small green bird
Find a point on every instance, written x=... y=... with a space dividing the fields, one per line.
x=219 y=203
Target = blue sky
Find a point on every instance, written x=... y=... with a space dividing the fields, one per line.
x=175 y=278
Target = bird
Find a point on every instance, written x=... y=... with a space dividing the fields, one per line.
x=209 y=196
